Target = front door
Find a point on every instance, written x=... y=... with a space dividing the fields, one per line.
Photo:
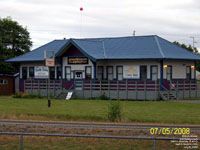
x=78 y=74
x=143 y=73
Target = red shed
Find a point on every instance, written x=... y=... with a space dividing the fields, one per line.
x=7 y=84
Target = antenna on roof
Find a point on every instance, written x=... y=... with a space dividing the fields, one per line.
x=81 y=10
x=134 y=32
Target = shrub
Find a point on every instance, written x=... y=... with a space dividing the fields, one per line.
x=103 y=97
x=25 y=95
x=114 y=111
x=17 y=95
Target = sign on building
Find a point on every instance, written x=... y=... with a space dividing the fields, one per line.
x=49 y=62
x=77 y=60
x=131 y=72
x=41 y=72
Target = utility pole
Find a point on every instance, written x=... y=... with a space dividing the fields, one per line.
x=193 y=41
x=134 y=32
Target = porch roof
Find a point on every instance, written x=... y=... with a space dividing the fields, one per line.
x=134 y=47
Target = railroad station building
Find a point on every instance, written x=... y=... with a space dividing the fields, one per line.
x=136 y=68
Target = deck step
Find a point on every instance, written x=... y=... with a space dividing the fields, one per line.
x=65 y=94
x=168 y=95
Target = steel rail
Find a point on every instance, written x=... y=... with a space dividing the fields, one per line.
x=96 y=125
x=154 y=139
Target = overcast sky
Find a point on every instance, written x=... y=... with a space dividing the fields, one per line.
x=47 y=20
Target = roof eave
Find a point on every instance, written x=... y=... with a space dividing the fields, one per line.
x=77 y=46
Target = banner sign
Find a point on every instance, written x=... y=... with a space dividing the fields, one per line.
x=77 y=60
x=41 y=72
x=131 y=72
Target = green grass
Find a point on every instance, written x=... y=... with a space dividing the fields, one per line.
x=96 y=110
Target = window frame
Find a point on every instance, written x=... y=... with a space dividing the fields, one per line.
x=109 y=73
x=26 y=73
x=102 y=74
x=169 y=66
x=4 y=81
x=57 y=75
x=117 y=73
x=154 y=73
x=33 y=72
x=87 y=73
x=50 y=73
x=141 y=72
x=68 y=73
x=190 y=77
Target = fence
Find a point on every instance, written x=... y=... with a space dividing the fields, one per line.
x=154 y=139
x=40 y=87
x=129 y=85
x=127 y=89
x=114 y=89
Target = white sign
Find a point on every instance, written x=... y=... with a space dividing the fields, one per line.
x=41 y=72
x=131 y=72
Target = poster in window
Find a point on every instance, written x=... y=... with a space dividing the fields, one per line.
x=131 y=72
x=41 y=72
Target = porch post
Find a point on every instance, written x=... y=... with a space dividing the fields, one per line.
x=95 y=69
x=61 y=64
x=161 y=75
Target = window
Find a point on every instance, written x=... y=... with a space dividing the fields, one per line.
x=169 y=73
x=188 y=73
x=110 y=72
x=3 y=81
x=52 y=73
x=68 y=73
x=119 y=72
x=24 y=73
x=88 y=72
x=154 y=73
x=31 y=72
x=143 y=73
x=58 y=73
x=100 y=73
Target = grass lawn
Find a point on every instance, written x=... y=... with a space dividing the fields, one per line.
x=96 y=110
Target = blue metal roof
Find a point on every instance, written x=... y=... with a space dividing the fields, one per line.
x=38 y=53
x=134 y=47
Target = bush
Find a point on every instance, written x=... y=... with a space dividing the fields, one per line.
x=114 y=111
x=25 y=95
x=103 y=97
x=17 y=95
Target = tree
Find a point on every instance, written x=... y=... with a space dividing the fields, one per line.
x=14 y=41
x=191 y=49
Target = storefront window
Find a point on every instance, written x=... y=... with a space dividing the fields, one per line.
x=88 y=72
x=119 y=72
x=100 y=73
x=154 y=73
x=110 y=72
x=24 y=73
x=52 y=73
x=68 y=73
x=31 y=72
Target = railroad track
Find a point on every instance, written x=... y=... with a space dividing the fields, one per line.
x=96 y=125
